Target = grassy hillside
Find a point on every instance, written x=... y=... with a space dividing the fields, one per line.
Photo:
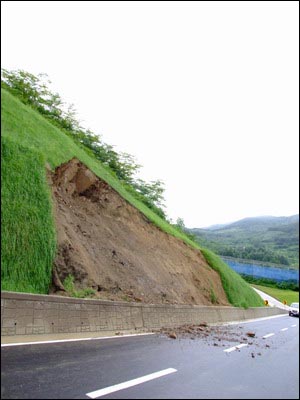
x=265 y=239
x=27 y=127
x=26 y=132
x=28 y=235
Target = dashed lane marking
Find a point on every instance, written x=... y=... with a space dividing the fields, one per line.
x=284 y=329
x=236 y=347
x=268 y=335
x=293 y=326
x=133 y=382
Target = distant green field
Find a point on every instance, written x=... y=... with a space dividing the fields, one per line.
x=282 y=295
x=29 y=142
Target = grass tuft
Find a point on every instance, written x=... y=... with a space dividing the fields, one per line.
x=70 y=288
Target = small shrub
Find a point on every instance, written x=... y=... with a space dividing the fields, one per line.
x=69 y=286
x=213 y=297
x=244 y=305
x=87 y=292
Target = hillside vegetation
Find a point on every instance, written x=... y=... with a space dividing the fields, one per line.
x=28 y=240
x=266 y=239
x=28 y=244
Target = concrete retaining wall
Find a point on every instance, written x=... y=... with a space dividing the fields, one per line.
x=30 y=314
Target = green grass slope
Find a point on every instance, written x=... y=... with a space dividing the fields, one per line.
x=28 y=235
x=233 y=284
x=26 y=132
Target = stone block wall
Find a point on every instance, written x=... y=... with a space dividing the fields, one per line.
x=31 y=314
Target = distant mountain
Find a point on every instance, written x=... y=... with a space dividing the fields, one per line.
x=266 y=238
x=214 y=227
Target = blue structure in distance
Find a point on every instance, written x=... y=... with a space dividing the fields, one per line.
x=261 y=271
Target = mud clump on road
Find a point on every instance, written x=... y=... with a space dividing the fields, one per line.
x=223 y=336
x=215 y=334
x=203 y=330
x=108 y=245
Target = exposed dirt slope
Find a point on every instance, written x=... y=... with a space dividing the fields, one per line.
x=107 y=244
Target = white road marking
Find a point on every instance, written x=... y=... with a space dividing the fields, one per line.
x=246 y=321
x=293 y=326
x=268 y=335
x=236 y=347
x=75 y=340
x=284 y=329
x=133 y=382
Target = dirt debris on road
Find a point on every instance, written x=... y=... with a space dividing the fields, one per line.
x=223 y=336
x=214 y=335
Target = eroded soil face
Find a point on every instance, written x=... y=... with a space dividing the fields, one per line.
x=110 y=246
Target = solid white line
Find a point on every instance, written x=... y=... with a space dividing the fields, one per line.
x=75 y=340
x=293 y=326
x=133 y=382
x=236 y=347
x=268 y=335
x=284 y=329
x=248 y=320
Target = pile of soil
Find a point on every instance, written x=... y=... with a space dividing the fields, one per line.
x=203 y=330
x=218 y=336
x=110 y=246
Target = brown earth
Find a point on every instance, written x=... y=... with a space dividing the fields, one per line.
x=110 y=246
x=217 y=336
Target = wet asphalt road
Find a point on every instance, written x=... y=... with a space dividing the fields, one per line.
x=267 y=368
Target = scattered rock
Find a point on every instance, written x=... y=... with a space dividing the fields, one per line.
x=203 y=324
x=173 y=335
x=252 y=355
x=250 y=334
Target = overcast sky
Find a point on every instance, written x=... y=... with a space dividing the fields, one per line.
x=205 y=95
